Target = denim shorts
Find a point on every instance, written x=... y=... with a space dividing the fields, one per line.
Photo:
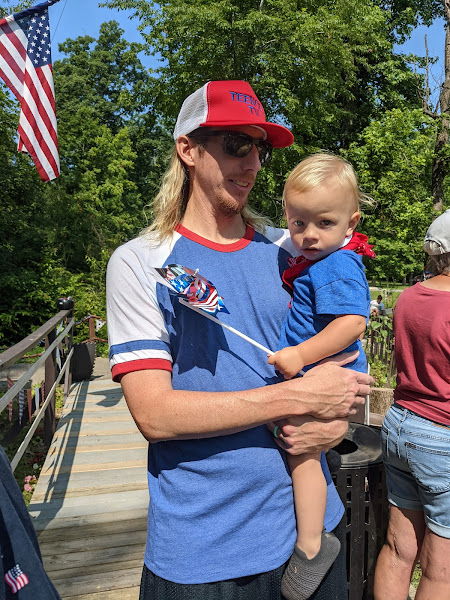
x=416 y=454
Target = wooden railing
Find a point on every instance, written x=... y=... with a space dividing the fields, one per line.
x=91 y=320
x=57 y=334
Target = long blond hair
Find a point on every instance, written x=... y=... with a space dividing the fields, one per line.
x=169 y=204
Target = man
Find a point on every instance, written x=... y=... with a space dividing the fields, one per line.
x=221 y=519
x=377 y=306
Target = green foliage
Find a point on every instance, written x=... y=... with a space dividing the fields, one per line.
x=379 y=350
x=380 y=371
x=326 y=69
x=58 y=236
x=393 y=157
x=22 y=230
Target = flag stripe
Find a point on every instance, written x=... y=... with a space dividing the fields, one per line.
x=36 y=101
x=24 y=143
x=8 y=82
x=35 y=142
x=12 y=59
x=16 y=41
x=25 y=66
x=45 y=76
x=38 y=138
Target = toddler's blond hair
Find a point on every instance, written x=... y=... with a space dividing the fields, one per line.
x=318 y=168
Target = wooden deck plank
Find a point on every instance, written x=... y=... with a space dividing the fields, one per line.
x=94 y=561
x=95 y=504
x=98 y=582
x=95 y=541
x=87 y=461
x=90 y=503
x=91 y=442
x=119 y=594
x=48 y=522
x=77 y=532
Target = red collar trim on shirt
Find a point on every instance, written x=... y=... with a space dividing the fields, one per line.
x=242 y=243
x=358 y=243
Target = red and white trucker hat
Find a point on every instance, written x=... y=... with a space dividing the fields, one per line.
x=224 y=103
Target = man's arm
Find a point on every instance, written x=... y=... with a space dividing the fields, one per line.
x=162 y=413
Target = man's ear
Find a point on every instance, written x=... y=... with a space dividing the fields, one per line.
x=353 y=222
x=185 y=147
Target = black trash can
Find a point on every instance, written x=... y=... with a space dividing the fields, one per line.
x=361 y=484
x=83 y=359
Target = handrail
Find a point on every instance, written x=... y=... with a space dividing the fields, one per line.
x=53 y=340
x=11 y=355
x=15 y=389
x=37 y=419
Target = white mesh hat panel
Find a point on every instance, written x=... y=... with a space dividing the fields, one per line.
x=194 y=111
x=437 y=238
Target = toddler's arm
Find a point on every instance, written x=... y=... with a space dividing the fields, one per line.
x=335 y=337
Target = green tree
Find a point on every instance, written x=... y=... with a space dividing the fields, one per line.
x=108 y=135
x=23 y=232
x=58 y=236
x=394 y=158
x=326 y=69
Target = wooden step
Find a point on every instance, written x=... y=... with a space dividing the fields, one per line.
x=90 y=504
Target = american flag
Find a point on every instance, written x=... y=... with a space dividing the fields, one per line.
x=16 y=579
x=26 y=68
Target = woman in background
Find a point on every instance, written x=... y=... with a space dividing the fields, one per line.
x=416 y=434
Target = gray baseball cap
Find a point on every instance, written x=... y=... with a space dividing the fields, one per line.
x=437 y=238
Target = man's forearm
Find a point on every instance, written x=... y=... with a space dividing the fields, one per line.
x=180 y=414
x=162 y=413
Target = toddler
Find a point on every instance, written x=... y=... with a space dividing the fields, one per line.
x=328 y=314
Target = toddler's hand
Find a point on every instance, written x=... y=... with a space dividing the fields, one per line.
x=287 y=361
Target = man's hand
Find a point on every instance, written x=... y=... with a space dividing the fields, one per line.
x=331 y=392
x=300 y=435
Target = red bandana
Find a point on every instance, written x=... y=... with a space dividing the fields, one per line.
x=358 y=244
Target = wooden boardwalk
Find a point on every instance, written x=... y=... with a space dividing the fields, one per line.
x=90 y=504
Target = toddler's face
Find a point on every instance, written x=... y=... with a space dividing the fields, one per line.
x=321 y=218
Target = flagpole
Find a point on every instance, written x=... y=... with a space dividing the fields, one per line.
x=225 y=326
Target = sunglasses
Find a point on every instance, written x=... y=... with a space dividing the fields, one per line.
x=239 y=144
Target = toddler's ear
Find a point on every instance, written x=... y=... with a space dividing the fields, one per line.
x=353 y=222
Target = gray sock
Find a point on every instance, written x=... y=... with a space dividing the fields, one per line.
x=303 y=575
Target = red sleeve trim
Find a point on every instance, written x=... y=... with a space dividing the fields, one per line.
x=118 y=371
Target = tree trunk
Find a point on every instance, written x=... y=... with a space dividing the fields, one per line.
x=441 y=163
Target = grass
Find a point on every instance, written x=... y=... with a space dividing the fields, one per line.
x=417 y=574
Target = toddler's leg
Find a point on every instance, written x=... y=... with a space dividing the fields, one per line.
x=315 y=550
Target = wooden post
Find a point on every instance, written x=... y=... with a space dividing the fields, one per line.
x=50 y=377
x=92 y=331
x=68 y=345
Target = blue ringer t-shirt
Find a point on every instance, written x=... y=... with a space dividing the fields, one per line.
x=220 y=507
